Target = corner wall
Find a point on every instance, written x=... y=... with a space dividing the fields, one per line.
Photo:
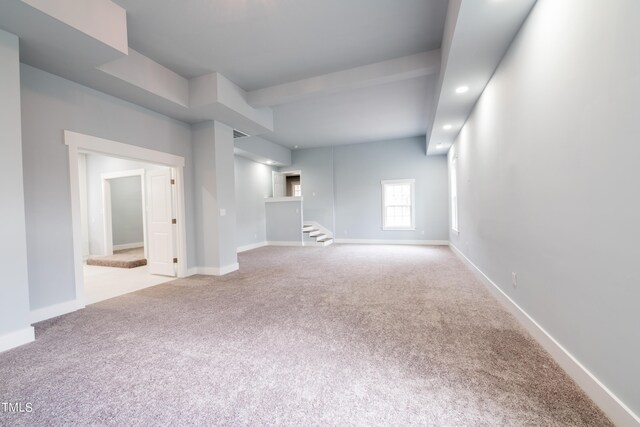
x=342 y=189
x=548 y=182
x=359 y=170
x=14 y=286
x=317 y=182
x=253 y=185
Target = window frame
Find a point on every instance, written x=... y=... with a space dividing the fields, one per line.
x=412 y=186
x=455 y=214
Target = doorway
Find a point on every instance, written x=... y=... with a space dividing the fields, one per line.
x=124 y=208
x=130 y=234
x=287 y=184
x=128 y=208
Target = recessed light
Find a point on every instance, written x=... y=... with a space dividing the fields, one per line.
x=447 y=127
x=439 y=144
x=462 y=89
x=295 y=146
x=270 y=162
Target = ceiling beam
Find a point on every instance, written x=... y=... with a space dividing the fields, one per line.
x=406 y=67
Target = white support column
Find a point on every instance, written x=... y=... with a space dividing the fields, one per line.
x=214 y=181
x=14 y=287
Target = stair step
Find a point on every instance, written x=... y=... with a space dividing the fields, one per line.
x=316 y=233
x=309 y=228
x=326 y=242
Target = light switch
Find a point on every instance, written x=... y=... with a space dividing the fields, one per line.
x=223 y=212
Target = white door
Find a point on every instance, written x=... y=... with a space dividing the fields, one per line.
x=279 y=184
x=160 y=223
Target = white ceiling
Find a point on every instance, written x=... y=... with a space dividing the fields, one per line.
x=477 y=35
x=388 y=111
x=259 y=43
x=331 y=71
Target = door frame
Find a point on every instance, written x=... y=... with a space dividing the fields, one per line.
x=107 y=212
x=81 y=143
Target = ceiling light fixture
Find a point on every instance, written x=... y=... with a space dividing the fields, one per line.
x=270 y=162
x=447 y=127
x=462 y=89
x=295 y=146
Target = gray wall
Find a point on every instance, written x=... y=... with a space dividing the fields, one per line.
x=126 y=210
x=548 y=182
x=359 y=170
x=51 y=104
x=14 y=298
x=284 y=221
x=316 y=165
x=253 y=184
x=214 y=181
x=342 y=190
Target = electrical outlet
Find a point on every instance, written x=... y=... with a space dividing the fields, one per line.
x=514 y=279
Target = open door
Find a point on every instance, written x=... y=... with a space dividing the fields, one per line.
x=160 y=233
x=279 y=184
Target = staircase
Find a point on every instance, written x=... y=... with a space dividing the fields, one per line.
x=314 y=235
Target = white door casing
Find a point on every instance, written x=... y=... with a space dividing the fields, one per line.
x=77 y=144
x=279 y=184
x=159 y=222
x=107 y=211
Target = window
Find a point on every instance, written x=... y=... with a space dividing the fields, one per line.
x=297 y=190
x=398 y=211
x=454 y=194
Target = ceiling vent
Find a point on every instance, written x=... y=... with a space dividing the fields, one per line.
x=238 y=134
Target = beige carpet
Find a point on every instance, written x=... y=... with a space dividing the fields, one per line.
x=342 y=335
x=125 y=258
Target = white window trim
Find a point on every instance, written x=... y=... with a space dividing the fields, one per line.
x=412 y=183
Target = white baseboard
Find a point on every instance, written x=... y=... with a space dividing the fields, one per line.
x=128 y=246
x=55 y=310
x=16 y=338
x=616 y=410
x=393 y=242
x=313 y=244
x=284 y=243
x=213 y=271
x=251 y=246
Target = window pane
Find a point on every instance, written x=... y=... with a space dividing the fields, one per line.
x=397 y=194
x=397 y=205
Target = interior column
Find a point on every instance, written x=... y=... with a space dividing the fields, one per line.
x=214 y=181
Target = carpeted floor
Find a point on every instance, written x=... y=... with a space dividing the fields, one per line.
x=125 y=258
x=342 y=335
